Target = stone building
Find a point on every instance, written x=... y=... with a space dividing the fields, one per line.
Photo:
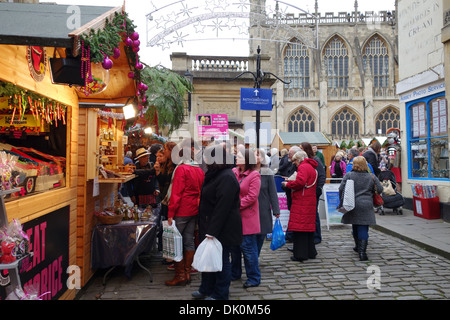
x=342 y=82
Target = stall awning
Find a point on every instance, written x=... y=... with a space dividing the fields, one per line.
x=294 y=138
x=57 y=26
x=47 y=25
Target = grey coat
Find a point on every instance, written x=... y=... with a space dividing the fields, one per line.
x=268 y=200
x=363 y=214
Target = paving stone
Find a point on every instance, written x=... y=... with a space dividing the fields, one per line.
x=407 y=272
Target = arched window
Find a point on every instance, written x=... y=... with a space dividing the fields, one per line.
x=345 y=124
x=375 y=54
x=387 y=119
x=301 y=121
x=296 y=65
x=336 y=63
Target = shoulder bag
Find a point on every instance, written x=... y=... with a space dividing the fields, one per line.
x=377 y=199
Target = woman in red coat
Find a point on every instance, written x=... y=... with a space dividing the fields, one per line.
x=302 y=218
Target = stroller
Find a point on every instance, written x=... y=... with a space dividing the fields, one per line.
x=394 y=202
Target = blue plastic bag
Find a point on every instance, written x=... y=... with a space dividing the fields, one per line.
x=278 y=239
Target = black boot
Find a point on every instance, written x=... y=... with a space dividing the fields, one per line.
x=355 y=248
x=362 y=247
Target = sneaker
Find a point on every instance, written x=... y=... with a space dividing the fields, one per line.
x=198 y=295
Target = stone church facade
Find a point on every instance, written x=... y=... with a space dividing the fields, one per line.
x=342 y=83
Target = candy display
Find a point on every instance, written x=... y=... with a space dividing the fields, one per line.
x=29 y=292
x=128 y=213
x=14 y=243
x=9 y=175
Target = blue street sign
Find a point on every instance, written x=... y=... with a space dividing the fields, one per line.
x=256 y=99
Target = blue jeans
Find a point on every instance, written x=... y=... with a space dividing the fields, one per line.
x=360 y=232
x=217 y=284
x=249 y=248
x=260 y=238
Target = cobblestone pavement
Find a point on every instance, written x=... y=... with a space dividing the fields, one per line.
x=396 y=270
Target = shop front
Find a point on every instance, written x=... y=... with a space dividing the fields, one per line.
x=423 y=77
x=55 y=135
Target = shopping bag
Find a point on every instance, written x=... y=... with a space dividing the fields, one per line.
x=208 y=256
x=388 y=190
x=348 y=201
x=278 y=239
x=172 y=242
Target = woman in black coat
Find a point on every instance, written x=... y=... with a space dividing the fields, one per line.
x=219 y=217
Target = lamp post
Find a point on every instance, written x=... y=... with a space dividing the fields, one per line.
x=191 y=124
x=190 y=77
x=258 y=77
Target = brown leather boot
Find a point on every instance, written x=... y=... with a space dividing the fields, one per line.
x=188 y=259
x=180 y=277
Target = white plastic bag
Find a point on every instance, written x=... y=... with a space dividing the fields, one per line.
x=172 y=241
x=348 y=202
x=208 y=256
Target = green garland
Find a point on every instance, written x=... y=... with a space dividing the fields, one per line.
x=104 y=41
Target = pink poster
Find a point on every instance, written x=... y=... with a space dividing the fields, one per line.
x=212 y=126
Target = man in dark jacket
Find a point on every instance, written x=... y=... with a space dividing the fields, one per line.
x=143 y=190
x=371 y=156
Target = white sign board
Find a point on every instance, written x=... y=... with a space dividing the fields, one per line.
x=331 y=197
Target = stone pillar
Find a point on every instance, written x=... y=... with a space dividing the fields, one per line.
x=369 y=129
x=323 y=101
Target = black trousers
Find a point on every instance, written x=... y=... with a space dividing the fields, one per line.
x=304 y=247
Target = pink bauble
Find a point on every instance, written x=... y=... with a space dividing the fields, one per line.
x=128 y=42
x=136 y=49
x=116 y=54
x=107 y=63
x=134 y=36
x=139 y=66
x=131 y=75
x=136 y=43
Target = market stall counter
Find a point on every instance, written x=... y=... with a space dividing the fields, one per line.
x=121 y=244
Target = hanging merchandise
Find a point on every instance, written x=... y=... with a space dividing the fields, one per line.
x=27 y=111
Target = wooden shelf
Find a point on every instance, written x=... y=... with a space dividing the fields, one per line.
x=122 y=179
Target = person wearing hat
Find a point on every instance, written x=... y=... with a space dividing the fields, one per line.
x=143 y=189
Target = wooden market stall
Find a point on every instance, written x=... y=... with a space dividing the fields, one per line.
x=58 y=132
x=285 y=140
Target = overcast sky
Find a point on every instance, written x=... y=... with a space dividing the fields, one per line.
x=238 y=46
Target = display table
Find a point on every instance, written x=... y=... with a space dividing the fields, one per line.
x=121 y=244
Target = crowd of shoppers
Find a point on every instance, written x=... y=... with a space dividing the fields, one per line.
x=231 y=195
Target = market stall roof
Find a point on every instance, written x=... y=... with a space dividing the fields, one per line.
x=47 y=25
x=294 y=138
x=50 y=25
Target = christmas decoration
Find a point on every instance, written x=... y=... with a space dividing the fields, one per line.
x=99 y=45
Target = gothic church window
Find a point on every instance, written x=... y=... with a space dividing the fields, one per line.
x=336 y=63
x=345 y=124
x=375 y=54
x=301 y=121
x=296 y=65
x=387 y=119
